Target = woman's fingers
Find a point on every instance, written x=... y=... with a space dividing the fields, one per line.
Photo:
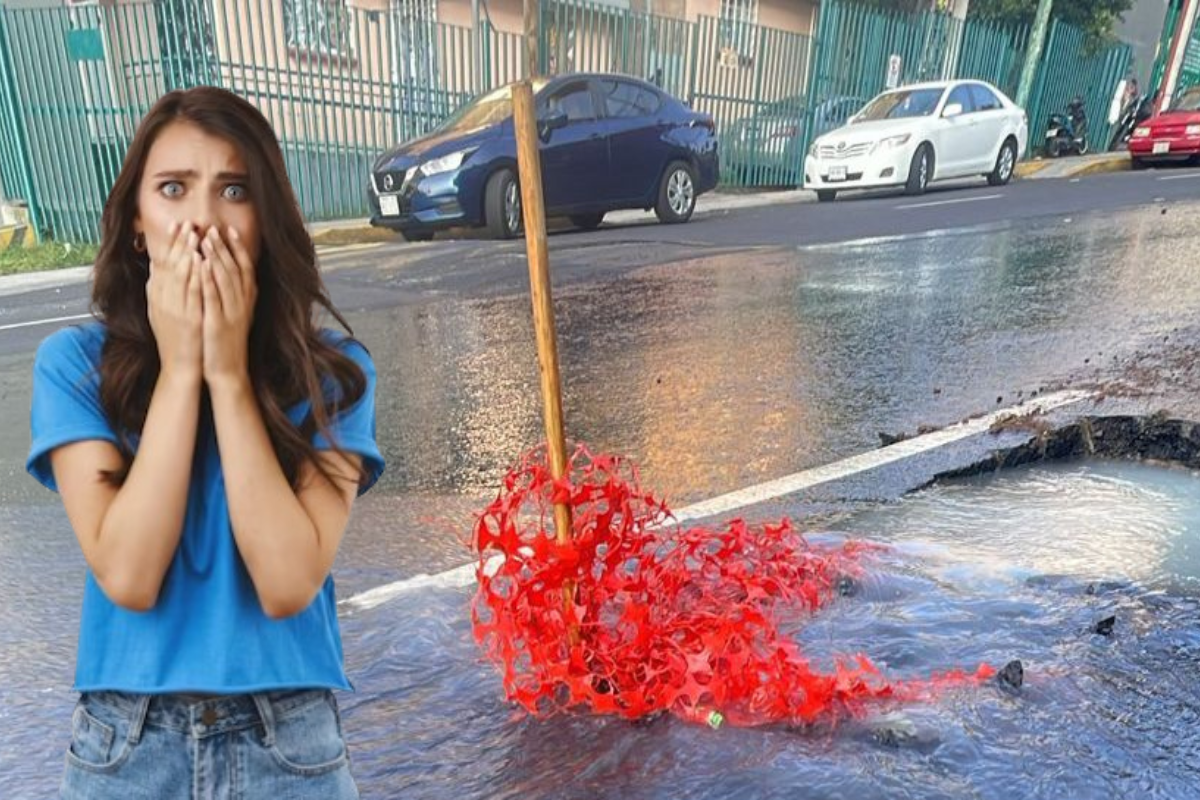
x=224 y=274
x=195 y=291
x=242 y=259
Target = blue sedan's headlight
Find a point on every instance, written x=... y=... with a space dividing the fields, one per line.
x=445 y=163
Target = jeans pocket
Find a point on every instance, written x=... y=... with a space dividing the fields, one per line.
x=308 y=739
x=96 y=744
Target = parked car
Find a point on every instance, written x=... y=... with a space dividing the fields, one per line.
x=917 y=134
x=607 y=142
x=766 y=148
x=1171 y=135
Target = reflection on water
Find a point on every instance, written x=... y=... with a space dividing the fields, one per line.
x=724 y=371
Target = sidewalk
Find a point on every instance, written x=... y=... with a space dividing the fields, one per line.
x=339 y=233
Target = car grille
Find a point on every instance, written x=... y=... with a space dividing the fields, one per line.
x=850 y=151
x=379 y=180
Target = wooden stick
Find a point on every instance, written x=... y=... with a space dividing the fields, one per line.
x=533 y=209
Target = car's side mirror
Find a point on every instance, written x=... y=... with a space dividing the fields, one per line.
x=552 y=121
x=952 y=110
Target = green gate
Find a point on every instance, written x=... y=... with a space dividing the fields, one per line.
x=1072 y=66
x=340 y=84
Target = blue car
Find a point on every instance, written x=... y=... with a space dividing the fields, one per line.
x=607 y=142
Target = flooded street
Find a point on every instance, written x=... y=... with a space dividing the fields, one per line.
x=714 y=373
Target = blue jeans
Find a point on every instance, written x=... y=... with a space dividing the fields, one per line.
x=274 y=746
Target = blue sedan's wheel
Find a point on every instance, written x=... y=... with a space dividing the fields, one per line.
x=676 y=194
x=502 y=205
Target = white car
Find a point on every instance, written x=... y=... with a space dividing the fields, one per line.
x=917 y=134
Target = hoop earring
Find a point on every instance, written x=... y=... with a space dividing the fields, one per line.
x=139 y=242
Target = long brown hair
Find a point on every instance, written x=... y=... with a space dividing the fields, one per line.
x=289 y=360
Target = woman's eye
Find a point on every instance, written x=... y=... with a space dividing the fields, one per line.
x=171 y=189
x=235 y=192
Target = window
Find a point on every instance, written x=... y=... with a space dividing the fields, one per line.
x=318 y=26
x=962 y=96
x=900 y=104
x=1188 y=101
x=738 y=20
x=576 y=101
x=985 y=98
x=626 y=100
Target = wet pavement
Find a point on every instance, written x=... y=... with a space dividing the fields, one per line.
x=711 y=371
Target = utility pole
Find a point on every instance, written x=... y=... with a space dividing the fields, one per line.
x=950 y=56
x=532 y=26
x=1179 y=47
x=1037 y=41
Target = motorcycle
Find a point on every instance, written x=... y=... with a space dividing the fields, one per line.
x=1067 y=133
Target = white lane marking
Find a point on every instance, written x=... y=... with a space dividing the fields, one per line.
x=933 y=203
x=49 y=321
x=464 y=575
x=325 y=252
x=1180 y=177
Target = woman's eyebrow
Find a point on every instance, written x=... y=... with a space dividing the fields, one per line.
x=179 y=174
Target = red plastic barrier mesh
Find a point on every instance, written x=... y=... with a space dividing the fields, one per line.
x=662 y=618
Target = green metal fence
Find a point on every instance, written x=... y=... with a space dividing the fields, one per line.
x=855 y=43
x=993 y=53
x=75 y=81
x=581 y=36
x=1072 y=67
x=751 y=78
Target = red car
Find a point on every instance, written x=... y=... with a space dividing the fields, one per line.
x=1171 y=135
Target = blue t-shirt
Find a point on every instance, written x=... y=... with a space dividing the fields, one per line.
x=207 y=632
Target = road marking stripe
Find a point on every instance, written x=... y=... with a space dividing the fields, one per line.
x=951 y=202
x=51 y=320
x=464 y=575
x=323 y=252
x=1180 y=177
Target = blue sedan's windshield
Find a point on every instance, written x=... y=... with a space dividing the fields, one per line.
x=485 y=110
x=904 y=103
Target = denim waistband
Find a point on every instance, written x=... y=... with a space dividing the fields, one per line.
x=211 y=716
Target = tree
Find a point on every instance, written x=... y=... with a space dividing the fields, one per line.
x=1097 y=17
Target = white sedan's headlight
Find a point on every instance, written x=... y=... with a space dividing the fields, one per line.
x=1141 y=133
x=814 y=147
x=893 y=141
x=445 y=163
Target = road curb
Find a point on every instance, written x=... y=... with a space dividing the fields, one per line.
x=1072 y=166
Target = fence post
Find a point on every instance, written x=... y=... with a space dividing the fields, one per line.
x=816 y=51
x=1034 y=54
x=8 y=85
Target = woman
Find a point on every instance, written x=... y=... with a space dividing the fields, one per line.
x=208 y=441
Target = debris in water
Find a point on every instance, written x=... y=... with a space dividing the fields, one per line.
x=1012 y=675
x=1105 y=626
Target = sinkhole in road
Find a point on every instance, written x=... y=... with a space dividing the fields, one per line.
x=1088 y=571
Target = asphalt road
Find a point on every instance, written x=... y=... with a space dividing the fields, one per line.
x=400 y=273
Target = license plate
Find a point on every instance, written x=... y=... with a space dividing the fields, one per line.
x=1162 y=147
x=837 y=173
x=389 y=205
